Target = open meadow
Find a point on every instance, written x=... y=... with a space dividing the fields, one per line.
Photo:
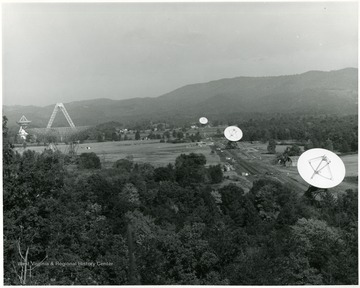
x=161 y=154
x=150 y=151
x=351 y=164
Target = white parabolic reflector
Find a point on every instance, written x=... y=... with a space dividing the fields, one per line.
x=321 y=168
x=233 y=133
x=203 y=120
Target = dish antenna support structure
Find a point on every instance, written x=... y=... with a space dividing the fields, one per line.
x=23 y=122
x=66 y=114
x=233 y=134
x=22 y=133
x=321 y=169
x=203 y=121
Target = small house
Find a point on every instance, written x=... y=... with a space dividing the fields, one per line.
x=292 y=161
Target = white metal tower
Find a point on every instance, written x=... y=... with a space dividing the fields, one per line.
x=56 y=109
x=23 y=122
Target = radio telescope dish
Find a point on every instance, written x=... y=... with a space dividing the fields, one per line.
x=233 y=133
x=22 y=133
x=321 y=168
x=203 y=120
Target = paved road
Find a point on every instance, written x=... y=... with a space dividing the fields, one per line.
x=243 y=162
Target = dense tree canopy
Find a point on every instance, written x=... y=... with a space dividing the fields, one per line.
x=172 y=225
x=89 y=161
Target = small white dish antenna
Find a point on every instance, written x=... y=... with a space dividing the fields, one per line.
x=203 y=120
x=233 y=133
x=321 y=168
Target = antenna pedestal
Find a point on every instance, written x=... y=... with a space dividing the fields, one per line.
x=231 y=145
x=313 y=191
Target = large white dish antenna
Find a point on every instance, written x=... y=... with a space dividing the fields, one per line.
x=22 y=133
x=233 y=133
x=321 y=168
x=203 y=120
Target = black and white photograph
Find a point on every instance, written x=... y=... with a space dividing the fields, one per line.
x=180 y=143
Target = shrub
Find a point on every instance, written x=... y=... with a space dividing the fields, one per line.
x=89 y=161
x=124 y=164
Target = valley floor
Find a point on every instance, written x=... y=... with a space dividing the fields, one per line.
x=250 y=158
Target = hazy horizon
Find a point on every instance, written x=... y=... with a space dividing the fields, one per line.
x=64 y=52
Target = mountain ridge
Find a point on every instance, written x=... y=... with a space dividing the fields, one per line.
x=314 y=91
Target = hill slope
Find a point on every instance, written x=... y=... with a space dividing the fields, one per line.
x=333 y=92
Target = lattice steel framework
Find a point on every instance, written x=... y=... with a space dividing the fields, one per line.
x=63 y=109
x=23 y=122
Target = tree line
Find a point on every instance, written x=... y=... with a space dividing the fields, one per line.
x=312 y=131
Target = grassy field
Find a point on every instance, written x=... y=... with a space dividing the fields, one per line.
x=351 y=164
x=160 y=154
x=262 y=147
x=350 y=181
x=151 y=151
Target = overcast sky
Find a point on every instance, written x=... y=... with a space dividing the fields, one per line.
x=68 y=52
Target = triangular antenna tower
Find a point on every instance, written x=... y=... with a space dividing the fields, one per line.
x=56 y=109
x=52 y=147
x=23 y=122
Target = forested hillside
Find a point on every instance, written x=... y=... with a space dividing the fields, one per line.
x=171 y=225
x=310 y=93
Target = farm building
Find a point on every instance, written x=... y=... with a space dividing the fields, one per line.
x=228 y=167
x=292 y=161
